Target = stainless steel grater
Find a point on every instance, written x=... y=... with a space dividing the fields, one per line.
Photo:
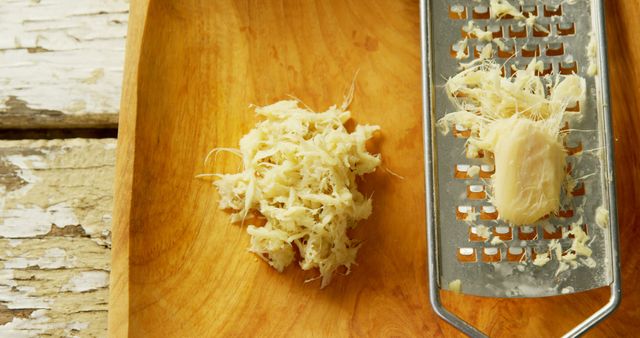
x=455 y=250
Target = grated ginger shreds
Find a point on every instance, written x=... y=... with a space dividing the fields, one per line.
x=299 y=172
x=518 y=123
x=501 y=8
x=602 y=217
x=455 y=286
x=481 y=35
x=462 y=49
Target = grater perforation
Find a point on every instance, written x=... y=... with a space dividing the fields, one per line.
x=459 y=208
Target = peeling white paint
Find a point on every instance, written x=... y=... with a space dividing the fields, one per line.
x=53 y=258
x=63 y=54
x=18 y=328
x=6 y=278
x=15 y=296
x=77 y=326
x=33 y=221
x=22 y=299
x=27 y=164
x=28 y=221
x=65 y=277
x=87 y=281
x=37 y=324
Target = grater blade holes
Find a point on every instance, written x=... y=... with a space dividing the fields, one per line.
x=496 y=31
x=488 y=213
x=551 y=232
x=460 y=171
x=466 y=32
x=535 y=252
x=529 y=10
x=541 y=31
x=487 y=170
x=516 y=254
x=552 y=10
x=527 y=233
x=461 y=132
x=481 y=12
x=579 y=190
x=459 y=46
x=517 y=31
x=476 y=192
x=503 y=232
x=573 y=149
x=565 y=213
x=568 y=68
x=467 y=255
x=477 y=50
x=547 y=68
x=457 y=12
x=530 y=50
x=506 y=51
x=463 y=211
x=473 y=235
x=566 y=28
x=555 y=49
x=573 y=108
x=491 y=254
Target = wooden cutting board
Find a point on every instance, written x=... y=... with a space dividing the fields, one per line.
x=180 y=269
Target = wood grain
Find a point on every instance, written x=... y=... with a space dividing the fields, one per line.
x=61 y=62
x=182 y=270
x=194 y=96
x=119 y=308
x=55 y=221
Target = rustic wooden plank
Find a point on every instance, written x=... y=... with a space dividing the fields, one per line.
x=61 y=62
x=55 y=221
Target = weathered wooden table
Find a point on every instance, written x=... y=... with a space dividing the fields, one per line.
x=60 y=77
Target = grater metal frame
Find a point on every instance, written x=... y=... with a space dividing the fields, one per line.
x=430 y=198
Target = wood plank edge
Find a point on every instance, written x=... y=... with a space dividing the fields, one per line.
x=119 y=306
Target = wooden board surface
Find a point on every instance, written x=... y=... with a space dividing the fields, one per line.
x=61 y=62
x=55 y=220
x=181 y=269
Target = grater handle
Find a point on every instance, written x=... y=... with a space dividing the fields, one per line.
x=474 y=332
x=599 y=315
x=450 y=317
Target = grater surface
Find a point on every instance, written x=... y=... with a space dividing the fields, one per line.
x=506 y=270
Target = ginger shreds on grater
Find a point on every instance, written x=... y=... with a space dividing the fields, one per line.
x=515 y=121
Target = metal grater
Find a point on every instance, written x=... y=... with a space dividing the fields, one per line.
x=455 y=250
